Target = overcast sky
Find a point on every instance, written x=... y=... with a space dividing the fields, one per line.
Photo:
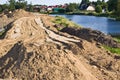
x=49 y=2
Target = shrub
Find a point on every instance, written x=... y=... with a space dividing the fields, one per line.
x=98 y=9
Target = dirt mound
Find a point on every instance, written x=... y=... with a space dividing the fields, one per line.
x=20 y=13
x=46 y=62
x=31 y=50
x=4 y=20
x=92 y=35
x=8 y=17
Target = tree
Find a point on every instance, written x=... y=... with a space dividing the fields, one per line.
x=12 y=4
x=0 y=9
x=104 y=5
x=118 y=8
x=3 y=7
x=99 y=2
x=21 y=4
x=112 y=5
x=30 y=7
x=61 y=10
x=72 y=7
x=103 y=0
x=98 y=9
x=83 y=3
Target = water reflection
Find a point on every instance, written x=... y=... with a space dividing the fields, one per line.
x=113 y=26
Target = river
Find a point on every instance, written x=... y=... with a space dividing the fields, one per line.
x=103 y=24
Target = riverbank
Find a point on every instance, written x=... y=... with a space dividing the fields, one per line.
x=89 y=13
x=84 y=13
x=110 y=43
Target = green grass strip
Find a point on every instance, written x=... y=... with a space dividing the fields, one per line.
x=112 y=50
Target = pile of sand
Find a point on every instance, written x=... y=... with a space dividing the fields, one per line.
x=46 y=62
x=20 y=13
x=8 y=17
x=30 y=50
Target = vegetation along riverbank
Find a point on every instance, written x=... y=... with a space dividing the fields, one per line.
x=96 y=8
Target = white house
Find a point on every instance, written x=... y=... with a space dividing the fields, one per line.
x=90 y=8
x=49 y=9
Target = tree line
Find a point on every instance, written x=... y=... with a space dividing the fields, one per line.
x=112 y=6
x=13 y=5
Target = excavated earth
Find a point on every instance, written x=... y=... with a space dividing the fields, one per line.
x=32 y=49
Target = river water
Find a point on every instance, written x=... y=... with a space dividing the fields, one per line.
x=103 y=24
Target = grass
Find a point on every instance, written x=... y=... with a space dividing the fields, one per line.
x=112 y=50
x=1 y=33
x=64 y=22
x=117 y=39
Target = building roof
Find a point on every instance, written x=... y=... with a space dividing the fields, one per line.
x=90 y=8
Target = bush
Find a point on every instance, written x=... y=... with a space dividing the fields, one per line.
x=61 y=10
x=98 y=9
x=118 y=18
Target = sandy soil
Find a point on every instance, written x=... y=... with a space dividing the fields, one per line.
x=31 y=50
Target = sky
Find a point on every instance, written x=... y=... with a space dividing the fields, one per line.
x=49 y=2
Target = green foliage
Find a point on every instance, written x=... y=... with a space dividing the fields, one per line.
x=103 y=0
x=85 y=1
x=98 y=9
x=112 y=5
x=72 y=7
x=84 y=4
x=99 y=2
x=30 y=7
x=61 y=10
x=1 y=33
x=117 y=38
x=104 y=5
x=118 y=8
x=64 y=22
x=0 y=9
x=12 y=5
x=118 y=18
x=112 y=50
x=21 y=4
x=4 y=7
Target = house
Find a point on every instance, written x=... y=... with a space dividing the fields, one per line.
x=56 y=10
x=36 y=8
x=43 y=8
x=49 y=8
x=104 y=10
x=90 y=8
